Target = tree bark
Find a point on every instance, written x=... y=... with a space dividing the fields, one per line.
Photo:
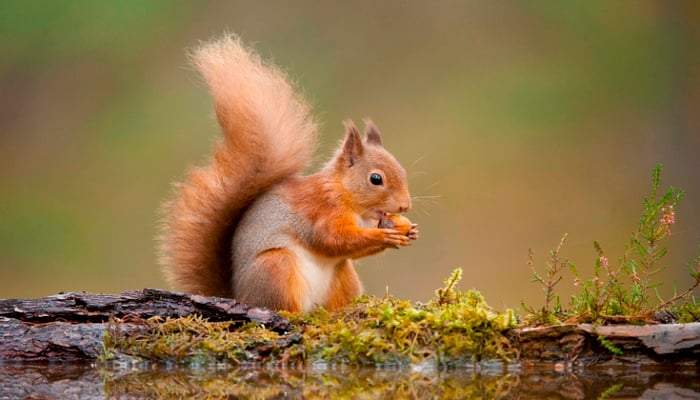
x=71 y=326
x=589 y=345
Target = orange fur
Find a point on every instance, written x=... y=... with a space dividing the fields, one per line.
x=268 y=135
x=345 y=286
x=248 y=225
x=279 y=284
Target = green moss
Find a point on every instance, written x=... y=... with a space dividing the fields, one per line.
x=610 y=346
x=193 y=340
x=388 y=331
x=456 y=328
x=688 y=312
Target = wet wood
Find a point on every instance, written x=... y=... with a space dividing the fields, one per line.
x=88 y=307
x=569 y=345
x=71 y=326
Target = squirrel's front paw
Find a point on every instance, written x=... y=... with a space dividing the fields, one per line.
x=394 y=238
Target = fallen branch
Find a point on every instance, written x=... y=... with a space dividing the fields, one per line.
x=590 y=345
x=72 y=327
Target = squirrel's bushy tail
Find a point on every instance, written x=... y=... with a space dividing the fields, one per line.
x=269 y=135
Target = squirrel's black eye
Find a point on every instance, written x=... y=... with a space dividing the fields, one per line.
x=376 y=179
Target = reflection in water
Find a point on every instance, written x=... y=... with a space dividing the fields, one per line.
x=89 y=382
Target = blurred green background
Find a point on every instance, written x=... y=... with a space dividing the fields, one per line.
x=519 y=121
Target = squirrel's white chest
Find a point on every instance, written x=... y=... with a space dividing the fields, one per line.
x=318 y=272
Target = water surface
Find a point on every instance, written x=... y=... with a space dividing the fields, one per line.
x=60 y=381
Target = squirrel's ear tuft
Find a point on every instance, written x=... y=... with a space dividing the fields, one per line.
x=352 y=148
x=372 y=133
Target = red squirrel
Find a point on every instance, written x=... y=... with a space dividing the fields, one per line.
x=248 y=225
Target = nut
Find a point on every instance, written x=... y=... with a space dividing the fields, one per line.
x=397 y=222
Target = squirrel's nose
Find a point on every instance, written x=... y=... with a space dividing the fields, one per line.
x=405 y=205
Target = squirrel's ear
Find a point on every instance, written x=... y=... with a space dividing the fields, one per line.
x=352 y=148
x=372 y=133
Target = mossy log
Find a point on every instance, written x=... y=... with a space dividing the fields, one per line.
x=619 y=345
x=72 y=326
